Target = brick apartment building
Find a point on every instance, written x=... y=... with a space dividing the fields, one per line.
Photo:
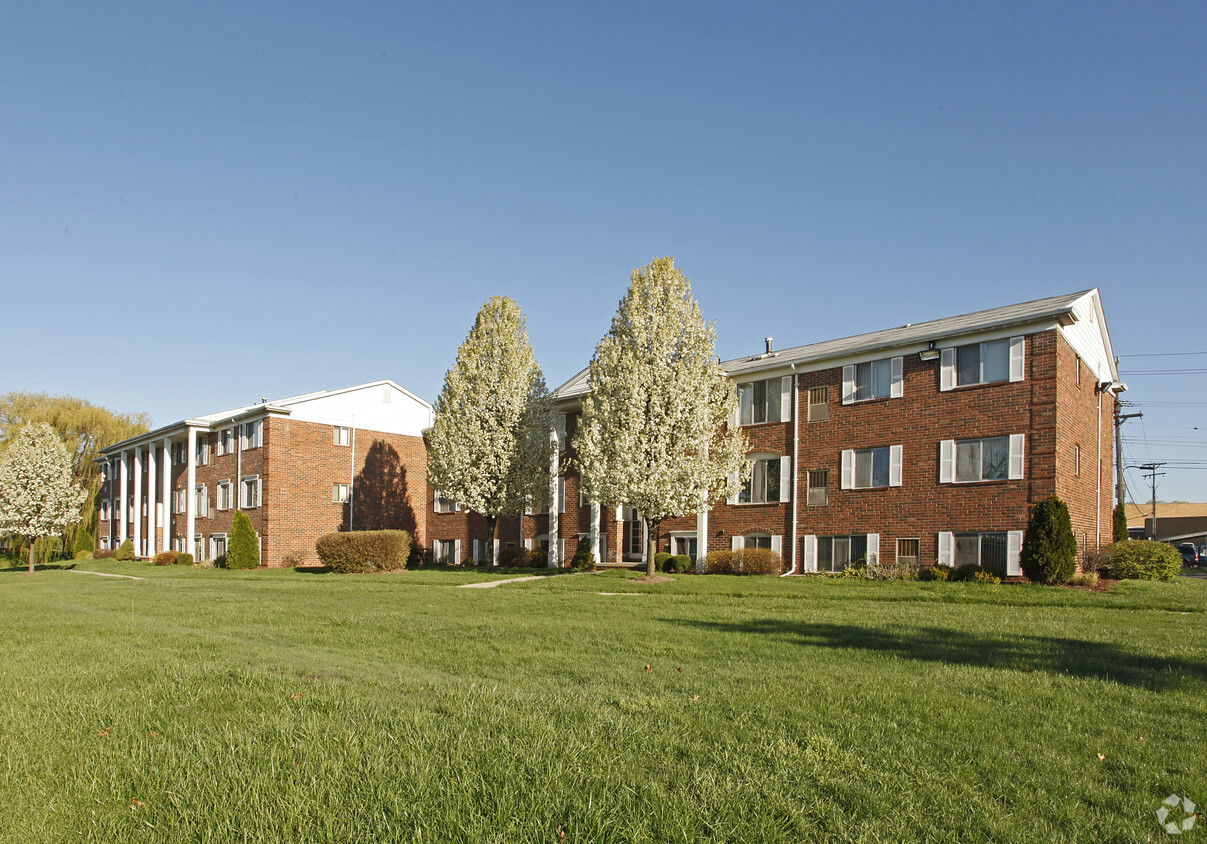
x=928 y=442
x=298 y=467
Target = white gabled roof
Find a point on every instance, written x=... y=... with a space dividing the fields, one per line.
x=1082 y=309
x=338 y=407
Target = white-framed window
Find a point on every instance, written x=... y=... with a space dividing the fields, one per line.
x=835 y=553
x=769 y=400
x=225 y=495
x=218 y=543
x=447 y=551
x=252 y=434
x=869 y=468
x=200 y=500
x=757 y=540
x=104 y=472
x=226 y=441
x=199 y=549
x=907 y=552
x=180 y=501
x=873 y=379
x=989 y=362
x=340 y=493
x=104 y=514
x=443 y=504
x=998 y=550
x=632 y=535
x=251 y=492
x=682 y=542
x=818 y=482
x=104 y=543
x=819 y=404
x=981 y=459
x=202 y=447
x=341 y=435
x=130 y=509
x=766 y=482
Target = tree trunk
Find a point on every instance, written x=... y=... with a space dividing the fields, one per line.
x=31 y=555
x=491 y=522
x=651 y=528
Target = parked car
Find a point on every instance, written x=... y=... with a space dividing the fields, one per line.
x=1190 y=554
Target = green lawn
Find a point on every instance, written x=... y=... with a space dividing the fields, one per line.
x=206 y=705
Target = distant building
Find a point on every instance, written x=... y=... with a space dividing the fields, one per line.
x=299 y=467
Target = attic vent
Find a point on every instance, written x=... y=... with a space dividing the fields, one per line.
x=386 y=395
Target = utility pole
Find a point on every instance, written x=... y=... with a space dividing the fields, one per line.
x=1120 y=418
x=1153 y=474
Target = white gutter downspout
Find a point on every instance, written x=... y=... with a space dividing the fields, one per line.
x=796 y=457
x=1098 y=485
x=352 y=474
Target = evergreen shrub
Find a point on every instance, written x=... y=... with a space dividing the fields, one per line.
x=1049 y=553
x=1120 y=523
x=661 y=559
x=165 y=558
x=83 y=555
x=183 y=559
x=83 y=542
x=681 y=564
x=125 y=551
x=583 y=559
x=364 y=550
x=243 y=547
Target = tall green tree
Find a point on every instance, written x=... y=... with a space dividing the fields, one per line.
x=655 y=431
x=489 y=446
x=243 y=550
x=85 y=428
x=1119 y=523
x=1049 y=552
x=38 y=494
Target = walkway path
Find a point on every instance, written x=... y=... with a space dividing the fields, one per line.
x=106 y=574
x=491 y=584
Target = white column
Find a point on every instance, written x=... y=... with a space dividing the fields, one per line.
x=594 y=535
x=166 y=468
x=554 y=504
x=122 y=493
x=190 y=520
x=151 y=522
x=138 y=500
x=701 y=539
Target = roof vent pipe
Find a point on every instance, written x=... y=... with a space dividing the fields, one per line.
x=768 y=340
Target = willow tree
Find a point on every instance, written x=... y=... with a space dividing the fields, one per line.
x=38 y=494
x=489 y=447
x=84 y=427
x=655 y=430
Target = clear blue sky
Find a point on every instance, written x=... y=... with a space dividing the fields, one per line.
x=202 y=204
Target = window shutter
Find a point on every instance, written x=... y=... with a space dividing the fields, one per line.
x=809 y=555
x=786 y=399
x=495 y=549
x=785 y=478
x=947 y=369
x=456 y=552
x=873 y=547
x=259 y=492
x=947 y=461
x=897 y=384
x=528 y=544
x=1017 y=447
x=733 y=481
x=561 y=552
x=848 y=383
x=1018 y=346
x=561 y=495
x=620 y=512
x=737 y=412
x=894 y=465
x=777 y=543
x=848 y=469
x=946 y=540
x=736 y=543
x=1014 y=546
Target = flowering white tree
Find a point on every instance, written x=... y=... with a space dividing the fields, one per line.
x=489 y=447
x=38 y=493
x=655 y=431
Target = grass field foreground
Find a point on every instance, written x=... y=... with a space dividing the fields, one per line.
x=206 y=705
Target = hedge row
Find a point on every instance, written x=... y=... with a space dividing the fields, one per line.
x=364 y=550
x=744 y=561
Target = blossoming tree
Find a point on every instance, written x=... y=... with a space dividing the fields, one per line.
x=655 y=431
x=38 y=493
x=489 y=446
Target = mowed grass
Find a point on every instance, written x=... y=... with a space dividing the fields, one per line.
x=218 y=706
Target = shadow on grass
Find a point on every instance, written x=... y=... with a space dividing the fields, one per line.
x=23 y=568
x=1009 y=652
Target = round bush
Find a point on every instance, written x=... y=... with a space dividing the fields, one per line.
x=165 y=558
x=184 y=559
x=83 y=555
x=680 y=564
x=1143 y=560
x=661 y=559
x=1049 y=553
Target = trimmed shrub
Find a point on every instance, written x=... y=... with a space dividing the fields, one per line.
x=165 y=558
x=583 y=559
x=364 y=550
x=719 y=562
x=937 y=572
x=102 y=554
x=183 y=559
x=1049 y=553
x=517 y=557
x=681 y=564
x=83 y=542
x=1120 y=523
x=125 y=551
x=291 y=559
x=1141 y=560
x=243 y=548
x=757 y=561
x=661 y=559
x=83 y=555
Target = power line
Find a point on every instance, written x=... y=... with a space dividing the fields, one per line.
x=1162 y=371
x=1161 y=355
